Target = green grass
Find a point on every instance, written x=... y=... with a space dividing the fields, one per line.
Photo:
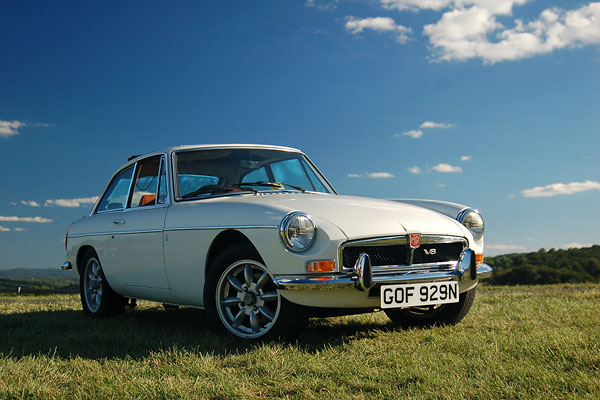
x=517 y=342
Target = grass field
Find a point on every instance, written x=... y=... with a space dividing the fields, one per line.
x=517 y=342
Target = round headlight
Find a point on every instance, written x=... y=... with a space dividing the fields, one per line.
x=297 y=231
x=473 y=221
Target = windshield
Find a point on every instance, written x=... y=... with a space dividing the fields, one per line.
x=202 y=173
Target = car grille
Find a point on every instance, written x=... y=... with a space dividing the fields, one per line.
x=379 y=255
x=396 y=251
x=443 y=252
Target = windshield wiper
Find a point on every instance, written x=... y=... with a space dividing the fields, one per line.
x=274 y=185
x=208 y=189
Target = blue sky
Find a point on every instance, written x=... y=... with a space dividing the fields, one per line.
x=490 y=103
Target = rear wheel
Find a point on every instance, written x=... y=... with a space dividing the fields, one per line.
x=97 y=297
x=439 y=314
x=241 y=298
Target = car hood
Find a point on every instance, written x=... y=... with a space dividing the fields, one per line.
x=360 y=217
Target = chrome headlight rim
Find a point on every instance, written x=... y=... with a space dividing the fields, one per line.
x=283 y=231
x=477 y=232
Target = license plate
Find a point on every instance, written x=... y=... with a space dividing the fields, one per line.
x=420 y=294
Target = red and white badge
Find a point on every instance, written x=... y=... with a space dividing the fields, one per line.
x=415 y=240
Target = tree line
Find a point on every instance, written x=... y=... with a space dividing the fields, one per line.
x=546 y=267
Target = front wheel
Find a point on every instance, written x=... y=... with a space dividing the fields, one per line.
x=97 y=297
x=440 y=314
x=240 y=297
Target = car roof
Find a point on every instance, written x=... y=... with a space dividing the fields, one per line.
x=168 y=150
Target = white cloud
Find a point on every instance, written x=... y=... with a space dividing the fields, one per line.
x=431 y=124
x=575 y=245
x=440 y=185
x=470 y=30
x=415 y=4
x=378 y=24
x=415 y=134
x=30 y=203
x=321 y=4
x=415 y=170
x=10 y=128
x=447 y=168
x=20 y=230
x=3 y=229
x=379 y=175
x=372 y=175
x=499 y=7
x=39 y=220
x=465 y=158
x=561 y=189
x=71 y=202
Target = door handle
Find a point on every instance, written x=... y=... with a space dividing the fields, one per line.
x=118 y=221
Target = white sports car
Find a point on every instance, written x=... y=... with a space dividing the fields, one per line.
x=257 y=237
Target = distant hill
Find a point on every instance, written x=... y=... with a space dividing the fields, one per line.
x=38 y=281
x=37 y=273
x=546 y=266
x=539 y=267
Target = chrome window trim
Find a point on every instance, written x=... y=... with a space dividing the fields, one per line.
x=163 y=163
x=130 y=193
x=319 y=174
x=400 y=240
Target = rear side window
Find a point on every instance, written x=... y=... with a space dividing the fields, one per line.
x=146 y=183
x=116 y=194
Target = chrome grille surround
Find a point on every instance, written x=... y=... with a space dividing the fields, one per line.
x=405 y=258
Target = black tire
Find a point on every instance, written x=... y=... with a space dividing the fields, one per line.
x=97 y=297
x=442 y=314
x=240 y=298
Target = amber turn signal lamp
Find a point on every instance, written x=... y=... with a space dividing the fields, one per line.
x=320 y=266
x=479 y=258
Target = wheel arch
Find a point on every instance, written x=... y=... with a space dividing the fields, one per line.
x=225 y=240
x=80 y=253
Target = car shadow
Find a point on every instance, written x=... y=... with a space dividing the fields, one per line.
x=136 y=334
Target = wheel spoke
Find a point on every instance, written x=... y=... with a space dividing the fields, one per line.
x=248 y=275
x=262 y=281
x=230 y=301
x=239 y=318
x=233 y=281
x=95 y=268
x=269 y=296
x=254 y=322
x=266 y=312
x=98 y=298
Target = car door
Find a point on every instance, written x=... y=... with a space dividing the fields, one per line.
x=140 y=228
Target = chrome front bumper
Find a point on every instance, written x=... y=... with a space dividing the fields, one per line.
x=467 y=272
